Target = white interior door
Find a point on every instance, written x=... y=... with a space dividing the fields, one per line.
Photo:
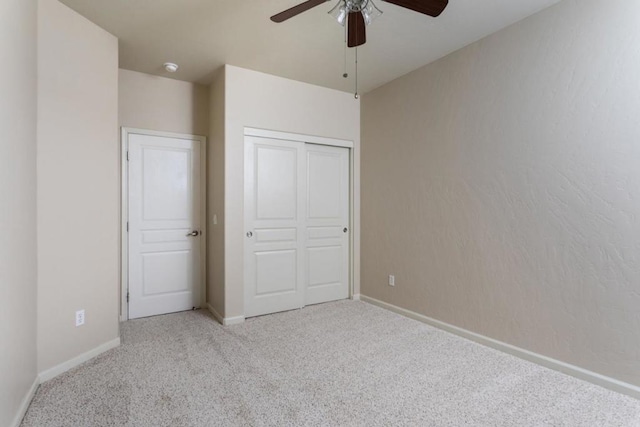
x=296 y=214
x=164 y=224
x=327 y=224
x=274 y=215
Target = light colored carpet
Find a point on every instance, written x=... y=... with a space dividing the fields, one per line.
x=340 y=364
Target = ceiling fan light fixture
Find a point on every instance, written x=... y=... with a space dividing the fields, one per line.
x=339 y=12
x=371 y=12
x=360 y=14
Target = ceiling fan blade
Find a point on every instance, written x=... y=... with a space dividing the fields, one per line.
x=357 y=32
x=428 y=7
x=296 y=10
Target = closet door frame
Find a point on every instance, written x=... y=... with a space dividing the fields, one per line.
x=353 y=225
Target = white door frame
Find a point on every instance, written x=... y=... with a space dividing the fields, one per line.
x=124 y=241
x=334 y=142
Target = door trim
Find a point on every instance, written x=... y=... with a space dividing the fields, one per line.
x=124 y=211
x=296 y=137
x=354 y=225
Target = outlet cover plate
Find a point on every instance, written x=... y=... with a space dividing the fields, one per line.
x=79 y=317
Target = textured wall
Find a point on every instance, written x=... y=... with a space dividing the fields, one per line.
x=78 y=184
x=501 y=186
x=161 y=104
x=264 y=101
x=17 y=206
x=215 y=195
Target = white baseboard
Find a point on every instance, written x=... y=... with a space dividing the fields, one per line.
x=233 y=320
x=26 y=401
x=355 y=297
x=70 y=364
x=226 y=321
x=575 y=371
x=215 y=314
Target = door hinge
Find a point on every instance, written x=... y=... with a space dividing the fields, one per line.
x=127 y=226
x=127 y=296
x=127 y=156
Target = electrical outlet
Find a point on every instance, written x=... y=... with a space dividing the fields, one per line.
x=79 y=317
x=392 y=280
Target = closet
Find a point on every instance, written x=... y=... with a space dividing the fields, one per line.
x=297 y=245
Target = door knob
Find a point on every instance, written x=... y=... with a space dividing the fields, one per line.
x=249 y=234
x=194 y=233
x=345 y=229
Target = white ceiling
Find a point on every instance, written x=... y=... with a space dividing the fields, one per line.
x=202 y=35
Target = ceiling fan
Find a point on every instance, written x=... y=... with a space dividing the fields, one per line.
x=359 y=13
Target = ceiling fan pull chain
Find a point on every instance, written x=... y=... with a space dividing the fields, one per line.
x=356 y=94
x=346 y=74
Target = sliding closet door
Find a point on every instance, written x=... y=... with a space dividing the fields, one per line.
x=296 y=225
x=327 y=224
x=274 y=222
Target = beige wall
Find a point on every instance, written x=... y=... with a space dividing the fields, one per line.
x=17 y=207
x=501 y=186
x=78 y=184
x=215 y=195
x=274 y=103
x=161 y=104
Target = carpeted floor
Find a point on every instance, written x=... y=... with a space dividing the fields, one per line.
x=339 y=364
